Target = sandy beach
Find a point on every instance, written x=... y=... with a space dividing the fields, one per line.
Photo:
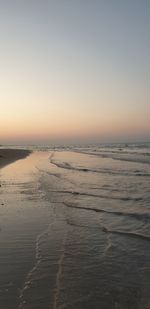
x=10 y=155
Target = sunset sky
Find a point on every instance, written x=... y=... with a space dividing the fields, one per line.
x=74 y=70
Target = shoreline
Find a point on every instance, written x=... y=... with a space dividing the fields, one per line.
x=8 y=156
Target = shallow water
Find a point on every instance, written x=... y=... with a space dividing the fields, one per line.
x=75 y=230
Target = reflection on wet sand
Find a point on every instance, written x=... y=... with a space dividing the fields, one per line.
x=72 y=239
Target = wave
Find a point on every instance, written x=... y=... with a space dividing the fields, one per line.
x=127 y=198
x=130 y=234
x=110 y=231
x=120 y=151
x=66 y=165
x=134 y=157
x=138 y=216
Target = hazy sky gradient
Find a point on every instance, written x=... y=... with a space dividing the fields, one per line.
x=74 y=70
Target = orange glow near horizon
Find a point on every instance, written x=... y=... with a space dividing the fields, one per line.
x=54 y=128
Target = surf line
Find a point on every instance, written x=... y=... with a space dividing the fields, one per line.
x=38 y=257
x=59 y=273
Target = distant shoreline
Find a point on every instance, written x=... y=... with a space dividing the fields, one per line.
x=8 y=156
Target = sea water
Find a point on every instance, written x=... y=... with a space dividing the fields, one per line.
x=76 y=229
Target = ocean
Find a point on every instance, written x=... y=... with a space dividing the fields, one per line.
x=75 y=228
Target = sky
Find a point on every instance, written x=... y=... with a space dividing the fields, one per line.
x=74 y=71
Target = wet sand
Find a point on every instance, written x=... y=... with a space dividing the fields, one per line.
x=25 y=217
x=74 y=233
x=10 y=155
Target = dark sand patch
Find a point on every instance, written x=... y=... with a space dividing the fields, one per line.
x=10 y=155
